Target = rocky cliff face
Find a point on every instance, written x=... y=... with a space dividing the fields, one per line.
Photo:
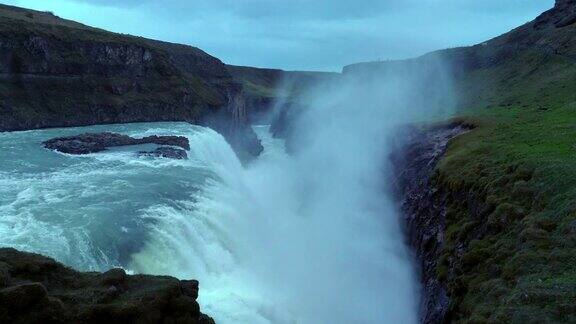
x=563 y=14
x=424 y=208
x=36 y=289
x=56 y=73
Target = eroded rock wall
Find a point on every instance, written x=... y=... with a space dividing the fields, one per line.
x=424 y=209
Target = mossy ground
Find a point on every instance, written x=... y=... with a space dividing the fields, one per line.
x=513 y=258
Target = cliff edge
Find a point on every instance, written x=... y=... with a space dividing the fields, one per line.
x=37 y=289
x=58 y=73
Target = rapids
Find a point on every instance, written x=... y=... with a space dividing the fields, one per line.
x=284 y=239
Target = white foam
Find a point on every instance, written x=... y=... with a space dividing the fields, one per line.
x=264 y=252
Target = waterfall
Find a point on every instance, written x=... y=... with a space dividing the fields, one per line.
x=307 y=237
x=279 y=242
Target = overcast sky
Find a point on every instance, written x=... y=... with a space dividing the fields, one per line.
x=303 y=34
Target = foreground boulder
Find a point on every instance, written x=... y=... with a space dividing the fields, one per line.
x=98 y=142
x=37 y=289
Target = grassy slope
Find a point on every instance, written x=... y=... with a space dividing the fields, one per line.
x=516 y=260
x=510 y=241
x=519 y=256
x=43 y=17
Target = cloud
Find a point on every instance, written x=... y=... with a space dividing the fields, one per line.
x=327 y=9
x=304 y=34
x=261 y=9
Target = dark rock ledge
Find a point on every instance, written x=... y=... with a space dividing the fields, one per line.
x=165 y=152
x=98 y=142
x=424 y=209
x=37 y=289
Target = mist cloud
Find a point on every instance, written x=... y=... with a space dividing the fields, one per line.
x=304 y=34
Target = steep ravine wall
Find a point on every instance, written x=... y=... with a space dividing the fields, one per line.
x=488 y=252
x=61 y=74
x=424 y=207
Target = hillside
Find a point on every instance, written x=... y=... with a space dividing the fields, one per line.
x=265 y=88
x=56 y=72
x=503 y=194
x=509 y=185
x=76 y=71
x=265 y=82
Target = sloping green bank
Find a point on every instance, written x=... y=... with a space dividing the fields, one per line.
x=510 y=250
x=510 y=241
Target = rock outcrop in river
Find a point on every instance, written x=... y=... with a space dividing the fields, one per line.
x=98 y=142
x=37 y=289
x=165 y=152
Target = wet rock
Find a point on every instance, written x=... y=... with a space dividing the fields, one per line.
x=44 y=291
x=114 y=277
x=4 y=275
x=23 y=296
x=413 y=164
x=181 y=304
x=166 y=152
x=30 y=303
x=190 y=288
x=97 y=142
x=109 y=295
x=74 y=146
x=241 y=138
x=180 y=141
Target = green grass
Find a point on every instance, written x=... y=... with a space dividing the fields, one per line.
x=512 y=258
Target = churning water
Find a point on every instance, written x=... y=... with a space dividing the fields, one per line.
x=309 y=237
x=277 y=241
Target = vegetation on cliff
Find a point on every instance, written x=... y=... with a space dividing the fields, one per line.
x=510 y=246
x=511 y=231
x=511 y=219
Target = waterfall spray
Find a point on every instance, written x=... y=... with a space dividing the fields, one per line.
x=307 y=237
